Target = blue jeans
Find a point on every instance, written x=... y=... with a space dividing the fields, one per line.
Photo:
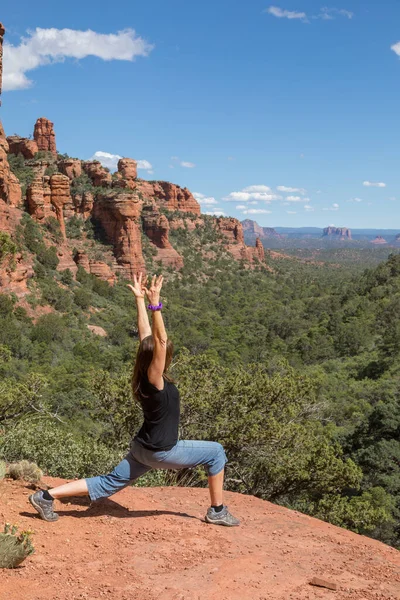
x=183 y=455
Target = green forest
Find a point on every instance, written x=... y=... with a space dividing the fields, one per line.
x=294 y=369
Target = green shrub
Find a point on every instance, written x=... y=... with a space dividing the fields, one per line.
x=53 y=226
x=66 y=277
x=58 y=451
x=74 y=228
x=82 y=298
x=7 y=246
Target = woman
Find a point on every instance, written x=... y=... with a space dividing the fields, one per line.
x=156 y=445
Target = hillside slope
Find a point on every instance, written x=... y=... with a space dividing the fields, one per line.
x=152 y=543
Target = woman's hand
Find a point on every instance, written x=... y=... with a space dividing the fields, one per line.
x=139 y=287
x=153 y=292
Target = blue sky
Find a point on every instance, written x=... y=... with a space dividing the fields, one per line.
x=288 y=110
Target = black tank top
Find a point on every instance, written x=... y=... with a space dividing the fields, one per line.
x=161 y=411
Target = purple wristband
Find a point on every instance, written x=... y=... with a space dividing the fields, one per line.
x=154 y=307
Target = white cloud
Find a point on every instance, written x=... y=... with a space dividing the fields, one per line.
x=110 y=161
x=252 y=202
x=248 y=196
x=392 y=198
x=150 y=172
x=355 y=200
x=294 y=199
x=285 y=14
x=217 y=212
x=256 y=211
x=144 y=164
x=378 y=184
x=328 y=14
x=291 y=190
x=187 y=165
x=206 y=200
x=241 y=207
x=308 y=207
x=334 y=206
x=257 y=188
x=396 y=48
x=291 y=212
x=47 y=46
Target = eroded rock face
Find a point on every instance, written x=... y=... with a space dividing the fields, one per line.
x=10 y=189
x=156 y=227
x=168 y=195
x=260 y=252
x=19 y=145
x=97 y=173
x=233 y=231
x=71 y=167
x=119 y=215
x=126 y=174
x=48 y=195
x=83 y=204
x=44 y=136
x=337 y=232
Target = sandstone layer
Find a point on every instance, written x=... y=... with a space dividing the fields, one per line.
x=44 y=136
x=19 y=145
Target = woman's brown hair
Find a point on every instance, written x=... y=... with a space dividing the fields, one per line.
x=144 y=357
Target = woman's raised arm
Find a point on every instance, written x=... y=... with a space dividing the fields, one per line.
x=157 y=365
x=139 y=289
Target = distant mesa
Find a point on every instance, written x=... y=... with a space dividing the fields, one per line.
x=337 y=233
x=253 y=228
x=379 y=240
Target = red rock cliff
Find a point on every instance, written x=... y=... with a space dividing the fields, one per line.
x=44 y=136
x=127 y=173
x=169 y=195
x=46 y=196
x=156 y=227
x=233 y=231
x=119 y=215
x=18 y=145
x=98 y=174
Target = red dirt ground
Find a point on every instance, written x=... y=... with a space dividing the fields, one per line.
x=151 y=543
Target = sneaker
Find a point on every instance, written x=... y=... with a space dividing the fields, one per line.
x=44 y=507
x=223 y=517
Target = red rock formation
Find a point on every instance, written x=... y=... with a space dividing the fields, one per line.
x=82 y=260
x=119 y=214
x=83 y=204
x=10 y=189
x=60 y=195
x=169 y=195
x=71 y=167
x=19 y=145
x=260 y=250
x=48 y=195
x=38 y=208
x=341 y=233
x=173 y=197
x=102 y=271
x=156 y=227
x=14 y=275
x=379 y=240
x=97 y=173
x=127 y=173
x=44 y=136
x=233 y=231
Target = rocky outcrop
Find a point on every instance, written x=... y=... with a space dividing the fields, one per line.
x=19 y=145
x=97 y=173
x=60 y=195
x=14 y=275
x=260 y=253
x=341 y=233
x=118 y=213
x=379 y=241
x=10 y=189
x=168 y=195
x=253 y=228
x=44 y=136
x=185 y=223
x=83 y=204
x=156 y=227
x=95 y=267
x=71 y=167
x=126 y=174
x=48 y=195
x=233 y=231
